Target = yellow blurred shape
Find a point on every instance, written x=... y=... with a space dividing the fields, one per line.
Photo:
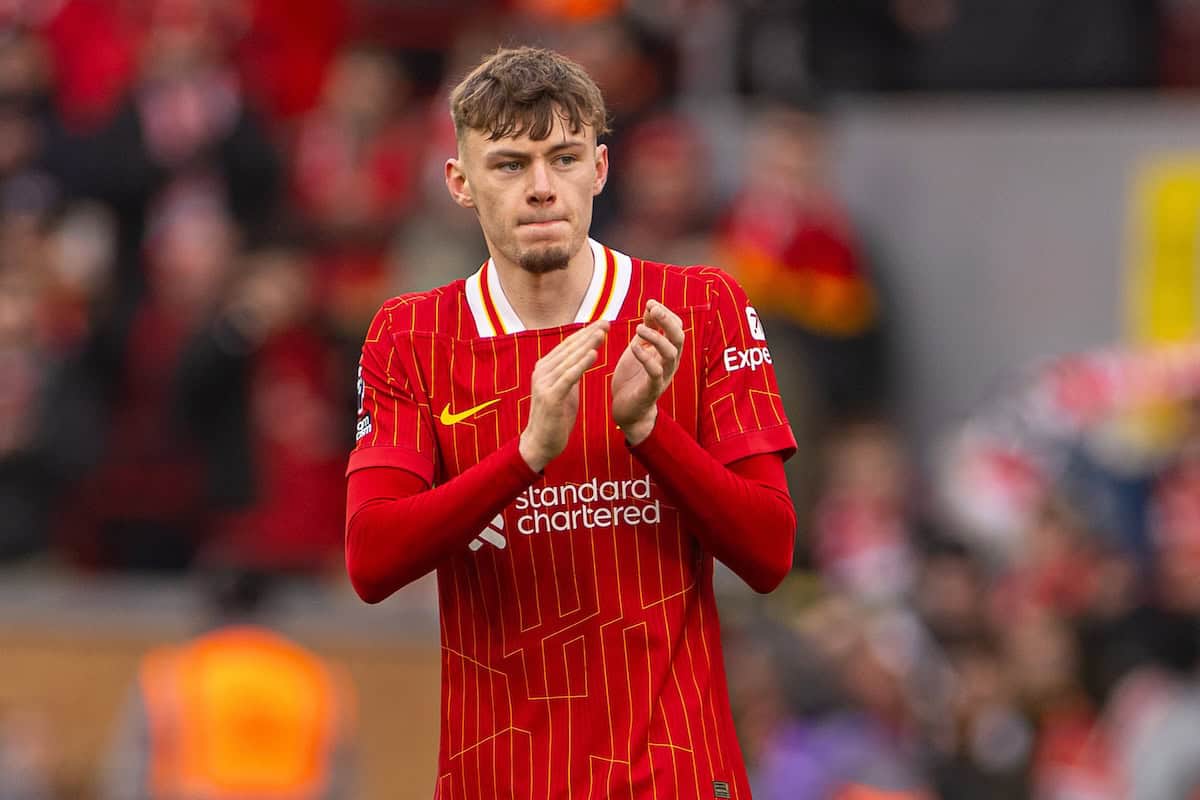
x=1163 y=288
x=1162 y=291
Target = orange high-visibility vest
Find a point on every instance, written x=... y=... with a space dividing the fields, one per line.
x=241 y=713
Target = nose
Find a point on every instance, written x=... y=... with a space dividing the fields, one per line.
x=541 y=185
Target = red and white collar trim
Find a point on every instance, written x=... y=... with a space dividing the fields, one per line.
x=494 y=315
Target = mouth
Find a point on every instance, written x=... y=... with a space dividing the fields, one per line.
x=540 y=223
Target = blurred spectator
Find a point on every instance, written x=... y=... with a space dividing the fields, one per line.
x=436 y=241
x=92 y=45
x=52 y=270
x=433 y=245
x=39 y=328
x=787 y=240
x=355 y=175
x=1175 y=524
x=988 y=740
x=31 y=137
x=636 y=68
x=286 y=49
x=1072 y=756
x=1161 y=751
x=237 y=712
x=24 y=370
x=665 y=214
x=1055 y=569
x=282 y=49
x=979 y=737
x=81 y=250
x=825 y=725
x=356 y=154
x=25 y=86
x=863 y=519
x=262 y=387
x=951 y=593
x=185 y=120
x=145 y=505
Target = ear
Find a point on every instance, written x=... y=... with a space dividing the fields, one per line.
x=457 y=183
x=601 y=169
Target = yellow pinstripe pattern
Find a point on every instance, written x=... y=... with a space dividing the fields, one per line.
x=662 y=711
x=491 y=737
x=680 y=720
x=533 y=561
x=478 y=696
x=629 y=677
x=608 y=779
x=708 y=664
x=570 y=716
x=491 y=684
x=462 y=731
x=387 y=376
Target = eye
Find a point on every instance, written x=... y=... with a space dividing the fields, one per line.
x=567 y=159
x=509 y=166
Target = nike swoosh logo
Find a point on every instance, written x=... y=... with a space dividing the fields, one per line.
x=453 y=419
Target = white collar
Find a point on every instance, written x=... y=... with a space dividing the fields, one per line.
x=494 y=314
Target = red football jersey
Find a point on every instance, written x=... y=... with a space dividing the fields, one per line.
x=581 y=652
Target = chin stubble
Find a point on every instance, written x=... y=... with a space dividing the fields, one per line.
x=542 y=261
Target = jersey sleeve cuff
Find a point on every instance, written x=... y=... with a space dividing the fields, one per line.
x=778 y=439
x=522 y=470
x=399 y=457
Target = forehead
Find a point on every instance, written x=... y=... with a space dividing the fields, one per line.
x=477 y=141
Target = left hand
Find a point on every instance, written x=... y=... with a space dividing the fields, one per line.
x=645 y=370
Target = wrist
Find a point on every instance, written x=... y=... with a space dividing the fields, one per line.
x=637 y=432
x=534 y=457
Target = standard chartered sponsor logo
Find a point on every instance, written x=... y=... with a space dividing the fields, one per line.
x=592 y=504
x=566 y=507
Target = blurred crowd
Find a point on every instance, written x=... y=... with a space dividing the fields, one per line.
x=1028 y=628
x=202 y=202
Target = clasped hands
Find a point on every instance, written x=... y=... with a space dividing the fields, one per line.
x=642 y=374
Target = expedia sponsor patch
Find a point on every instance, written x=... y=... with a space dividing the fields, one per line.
x=751 y=358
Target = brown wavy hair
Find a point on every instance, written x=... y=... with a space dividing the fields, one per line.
x=523 y=91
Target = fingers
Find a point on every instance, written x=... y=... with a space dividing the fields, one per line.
x=570 y=374
x=666 y=349
x=650 y=360
x=585 y=338
x=659 y=316
x=562 y=368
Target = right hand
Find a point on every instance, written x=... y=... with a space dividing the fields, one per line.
x=554 y=394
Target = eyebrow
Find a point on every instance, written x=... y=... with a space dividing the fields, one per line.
x=570 y=144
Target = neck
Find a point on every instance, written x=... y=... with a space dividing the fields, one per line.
x=548 y=299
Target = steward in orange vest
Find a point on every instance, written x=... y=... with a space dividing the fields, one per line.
x=240 y=713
